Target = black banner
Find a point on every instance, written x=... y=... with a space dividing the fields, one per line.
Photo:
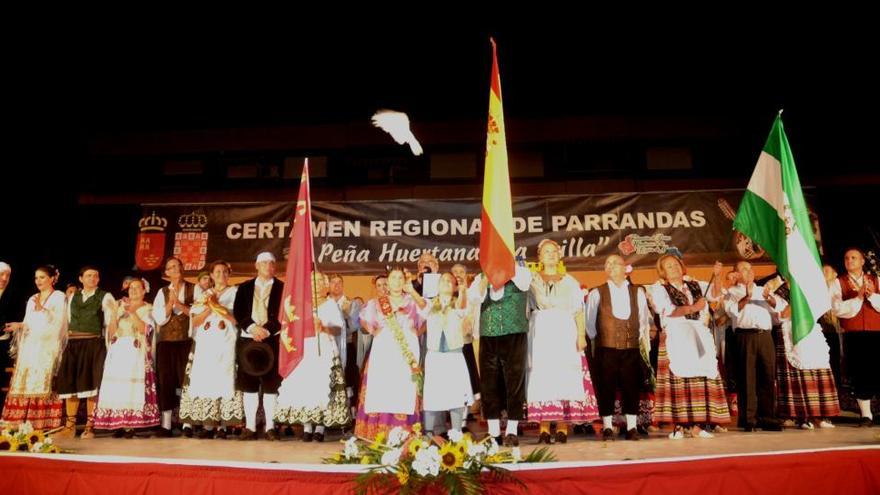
x=363 y=237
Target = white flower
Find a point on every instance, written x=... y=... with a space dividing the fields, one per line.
x=397 y=436
x=37 y=447
x=427 y=461
x=47 y=441
x=493 y=447
x=391 y=458
x=26 y=428
x=476 y=450
x=516 y=453
x=455 y=435
x=351 y=448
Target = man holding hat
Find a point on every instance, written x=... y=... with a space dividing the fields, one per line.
x=256 y=310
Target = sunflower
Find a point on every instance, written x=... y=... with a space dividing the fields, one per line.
x=5 y=443
x=450 y=457
x=35 y=437
x=415 y=445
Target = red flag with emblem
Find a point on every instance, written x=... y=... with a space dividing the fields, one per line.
x=297 y=313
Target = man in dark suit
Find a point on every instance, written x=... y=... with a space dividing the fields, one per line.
x=11 y=310
x=256 y=309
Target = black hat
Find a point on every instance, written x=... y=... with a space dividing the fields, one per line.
x=256 y=358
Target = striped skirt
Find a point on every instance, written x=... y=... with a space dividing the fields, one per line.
x=803 y=394
x=687 y=400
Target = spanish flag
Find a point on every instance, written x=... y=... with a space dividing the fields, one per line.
x=496 y=234
x=297 y=312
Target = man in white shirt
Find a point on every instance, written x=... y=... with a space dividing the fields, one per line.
x=347 y=340
x=855 y=300
x=256 y=307
x=504 y=327
x=82 y=364
x=751 y=309
x=618 y=324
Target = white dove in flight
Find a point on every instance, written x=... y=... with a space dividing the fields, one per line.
x=397 y=124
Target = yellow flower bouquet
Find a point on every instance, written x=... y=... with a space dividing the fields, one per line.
x=408 y=462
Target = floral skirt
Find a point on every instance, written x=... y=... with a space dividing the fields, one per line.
x=42 y=413
x=565 y=410
x=369 y=425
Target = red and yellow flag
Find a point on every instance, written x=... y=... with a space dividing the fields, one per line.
x=496 y=235
x=297 y=313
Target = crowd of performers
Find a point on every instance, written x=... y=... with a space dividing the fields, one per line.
x=618 y=358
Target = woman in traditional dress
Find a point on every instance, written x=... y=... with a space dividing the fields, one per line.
x=391 y=385
x=805 y=389
x=314 y=394
x=127 y=397
x=37 y=345
x=209 y=396
x=560 y=388
x=689 y=389
x=447 y=382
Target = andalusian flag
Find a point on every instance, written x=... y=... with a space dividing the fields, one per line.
x=297 y=312
x=774 y=215
x=496 y=234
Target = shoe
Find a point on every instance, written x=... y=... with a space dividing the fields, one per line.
x=162 y=433
x=704 y=434
x=607 y=434
x=247 y=434
x=272 y=435
x=579 y=430
x=319 y=437
x=826 y=424
x=788 y=423
x=677 y=433
x=129 y=433
x=652 y=429
x=632 y=434
x=806 y=426
x=719 y=429
x=308 y=436
x=221 y=434
x=511 y=440
x=118 y=433
x=866 y=422
x=770 y=425
x=544 y=437
x=187 y=432
x=561 y=437
x=87 y=433
x=206 y=434
x=66 y=432
x=750 y=427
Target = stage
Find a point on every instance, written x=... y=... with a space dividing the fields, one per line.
x=841 y=460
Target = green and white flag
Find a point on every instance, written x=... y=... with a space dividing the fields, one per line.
x=773 y=214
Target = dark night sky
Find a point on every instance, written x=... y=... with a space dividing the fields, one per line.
x=81 y=81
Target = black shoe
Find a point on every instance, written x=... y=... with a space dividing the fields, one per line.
x=511 y=440
x=607 y=434
x=578 y=430
x=221 y=434
x=272 y=435
x=118 y=433
x=750 y=427
x=308 y=436
x=206 y=434
x=128 y=434
x=561 y=437
x=633 y=434
x=188 y=432
x=544 y=437
x=319 y=437
x=770 y=425
x=162 y=433
x=247 y=434
x=866 y=423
